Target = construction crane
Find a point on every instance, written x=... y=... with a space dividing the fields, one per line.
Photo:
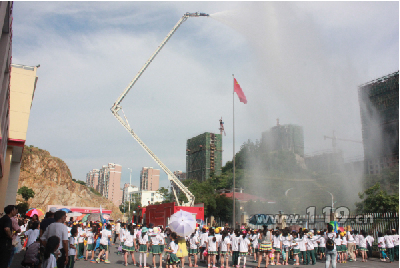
x=124 y=121
x=334 y=139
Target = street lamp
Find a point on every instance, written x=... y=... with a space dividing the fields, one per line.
x=129 y=205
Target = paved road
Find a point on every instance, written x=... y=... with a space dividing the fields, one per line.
x=118 y=261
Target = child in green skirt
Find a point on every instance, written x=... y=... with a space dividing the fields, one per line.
x=156 y=240
x=173 y=249
x=143 y=246
x=129 y=245
x=193 y=245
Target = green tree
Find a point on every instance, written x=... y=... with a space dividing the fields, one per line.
x=388 y=180
x=166 y=194
x=23 y=208
x=81 y=182
x=376 y=200
x=26 y=193
x=124 y=208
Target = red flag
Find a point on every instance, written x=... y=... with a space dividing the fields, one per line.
x=239 y=92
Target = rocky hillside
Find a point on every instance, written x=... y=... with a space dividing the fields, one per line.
x=50 y=178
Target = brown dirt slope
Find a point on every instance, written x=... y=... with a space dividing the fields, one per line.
x=50 y=178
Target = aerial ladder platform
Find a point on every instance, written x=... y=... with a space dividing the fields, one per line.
x=115 y=109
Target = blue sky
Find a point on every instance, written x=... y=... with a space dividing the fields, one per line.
x=300 y=62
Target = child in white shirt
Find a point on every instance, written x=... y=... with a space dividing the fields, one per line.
x=72 y=245
x=277 y=245
x=193 y=244
x=296 y=247
x=389 y=245
x=225 y=242
x=212 y=246
x=286 y=243
x=235 y=248
x=244 y=247
x=173 y=249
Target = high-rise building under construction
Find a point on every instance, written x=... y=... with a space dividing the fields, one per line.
x=379 y=107
x=284 y=138
x=204 y=156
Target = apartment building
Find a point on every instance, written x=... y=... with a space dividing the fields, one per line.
x=92 y=179
x=107 y=181
x=149 y=179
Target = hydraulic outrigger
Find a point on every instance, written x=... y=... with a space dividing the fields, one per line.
x=124 y=121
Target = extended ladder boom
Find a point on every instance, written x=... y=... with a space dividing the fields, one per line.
x=116 y=107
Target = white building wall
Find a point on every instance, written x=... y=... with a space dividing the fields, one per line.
x=146 y=196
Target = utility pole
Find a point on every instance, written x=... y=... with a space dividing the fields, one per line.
x=129 y=206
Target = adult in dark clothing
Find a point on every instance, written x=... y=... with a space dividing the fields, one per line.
x=49 y=219
x=34 y=218
x=6 y=235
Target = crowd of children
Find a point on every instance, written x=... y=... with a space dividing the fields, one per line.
x=218 y=247
x=215 y=246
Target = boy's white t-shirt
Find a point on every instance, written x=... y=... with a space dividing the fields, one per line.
x=235 y=243
x=51 y=262
x=244 y=244
x=105 y=234
x=395 y=239
x=302 y=243
x=389 y=241
x=315 y=240
x=309 y=244
x=32 y=236
x=370 y=240
x=90 y=237
x=72 y=241
x=224 y=244
x=81 y=232
x=322 y=241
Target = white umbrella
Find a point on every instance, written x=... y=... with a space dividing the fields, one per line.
x=74 y=214
x=183 y=223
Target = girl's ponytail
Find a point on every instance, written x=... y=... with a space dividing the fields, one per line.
x=51 y=246
x=224 y=233
x=174 y=237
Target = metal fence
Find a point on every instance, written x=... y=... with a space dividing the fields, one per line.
x=369 y=222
